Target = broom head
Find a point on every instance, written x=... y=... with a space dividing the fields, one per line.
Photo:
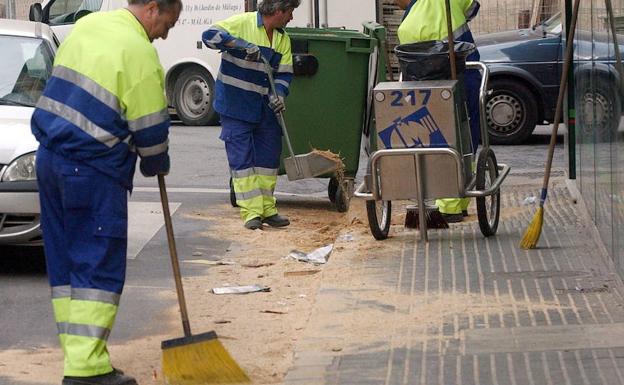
x=199 y=360
x=533 y=232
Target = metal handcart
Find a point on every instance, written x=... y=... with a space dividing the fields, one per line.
x=425 y=153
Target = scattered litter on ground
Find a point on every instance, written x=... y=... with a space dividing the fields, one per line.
x=302 y=296
x=222 y=321
x=210 y=263
x=257 y=265
x=299 y=273
x=273 y=312
x=240 y=289
x=318 y=256
x=197 y=254
x=529 y=200
x=346 y=237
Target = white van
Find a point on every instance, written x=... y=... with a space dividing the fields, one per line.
x=190 y=67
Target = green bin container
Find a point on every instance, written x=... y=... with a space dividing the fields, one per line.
x=327 y=104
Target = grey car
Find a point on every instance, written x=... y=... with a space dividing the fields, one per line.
x=525 y=67
x=25 y=66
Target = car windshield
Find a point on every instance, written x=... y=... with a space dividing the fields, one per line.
x=552 y=25
x=25 y=66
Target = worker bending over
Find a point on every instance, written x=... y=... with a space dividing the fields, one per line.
x=425 y=20
x=250 y=129
x=103 y=105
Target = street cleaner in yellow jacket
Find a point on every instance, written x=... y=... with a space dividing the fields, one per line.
x=250 y=130
x=425 y=20
x=103 y=106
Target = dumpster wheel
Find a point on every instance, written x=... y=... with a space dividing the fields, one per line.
x=488 y=208
x=379 y=218
x=332 y=189
x=342 y=197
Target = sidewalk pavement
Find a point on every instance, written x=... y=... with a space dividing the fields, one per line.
x=464 y=309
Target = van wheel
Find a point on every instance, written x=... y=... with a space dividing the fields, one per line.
x=193 y=94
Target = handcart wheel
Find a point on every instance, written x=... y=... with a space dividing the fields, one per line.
x=379 y=217
x=488 y=208
x=332 y=189
x=342 y=198
x=232 y=195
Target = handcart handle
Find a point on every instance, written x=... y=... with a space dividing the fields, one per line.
x=485 y=75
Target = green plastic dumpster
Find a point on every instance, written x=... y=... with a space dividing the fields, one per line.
x=327 y=105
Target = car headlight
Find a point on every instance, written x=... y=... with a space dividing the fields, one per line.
x=22 y=168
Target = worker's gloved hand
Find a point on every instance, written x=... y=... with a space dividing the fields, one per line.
x=253 y=52
x=154 y=165
x=277 y=104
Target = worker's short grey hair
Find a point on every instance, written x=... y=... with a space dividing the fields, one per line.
x=162 y=4
x=269 y=7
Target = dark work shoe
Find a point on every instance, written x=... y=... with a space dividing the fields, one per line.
x=116 y=377
x=453 y=218
x=253 y=224
x=464 y=213
x=276 y=221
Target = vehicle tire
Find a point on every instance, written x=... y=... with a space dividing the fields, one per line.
x=599 y=111
x=379 y=218
x=232 y=195
x=332 y=189
x=488 y=208
x=511 y=112
x=193 y=94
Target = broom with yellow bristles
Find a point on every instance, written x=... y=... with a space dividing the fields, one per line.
x=193 y=359
x=532 y=234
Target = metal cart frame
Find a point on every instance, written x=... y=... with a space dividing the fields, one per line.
x=387 y=182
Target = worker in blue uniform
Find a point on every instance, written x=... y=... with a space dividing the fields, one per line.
x=103 y=105
x=250 y=129
x=426 y=20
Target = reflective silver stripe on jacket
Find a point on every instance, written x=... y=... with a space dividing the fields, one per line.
x=243 y=85
x=154 y=150
x=242 y=173
x=461 y=30
x=95 y=295
x=243 y=196
x=61 y=291
x=266 y=171
x=242 y=63
x=78 y=119
x=470 y=12
x=83 y=330
x=96 y=90
x=285 y=68
x=148 y=120
x=283 y=83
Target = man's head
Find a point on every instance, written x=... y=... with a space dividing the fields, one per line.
x=402 y=3
x=156 y=16
x=279 y=12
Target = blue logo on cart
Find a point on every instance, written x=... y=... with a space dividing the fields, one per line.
x=422 y=118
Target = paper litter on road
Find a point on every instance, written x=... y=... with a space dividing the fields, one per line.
x=529 y=200
x=210 y=263
x=240 y=289
x=318 y=256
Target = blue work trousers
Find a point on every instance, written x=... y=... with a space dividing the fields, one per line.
x=84 y=219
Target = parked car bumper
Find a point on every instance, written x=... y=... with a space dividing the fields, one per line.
x=19 y=213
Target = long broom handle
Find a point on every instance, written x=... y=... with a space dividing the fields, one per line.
x=562 y=88
x=173 y=253
x=451 y=39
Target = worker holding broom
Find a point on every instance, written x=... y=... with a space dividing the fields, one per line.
x=103 y=105
x=426 y=20
x=250 y=129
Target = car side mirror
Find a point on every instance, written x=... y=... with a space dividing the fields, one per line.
x=36 y=12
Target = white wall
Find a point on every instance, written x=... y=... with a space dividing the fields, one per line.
x=340 y=13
